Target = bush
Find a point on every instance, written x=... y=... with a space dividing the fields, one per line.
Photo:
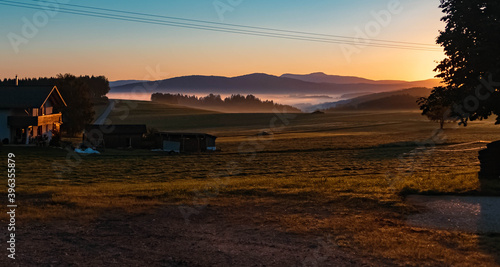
x=56 y=139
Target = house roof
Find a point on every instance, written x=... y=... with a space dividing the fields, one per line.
x=117 y=129
x=29 y=97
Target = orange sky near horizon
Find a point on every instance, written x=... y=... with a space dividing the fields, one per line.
x=371 y=63
x=122 y=51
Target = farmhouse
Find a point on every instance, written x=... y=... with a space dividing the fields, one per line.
x=186 y=142
x=114 y=136
x=29 y=113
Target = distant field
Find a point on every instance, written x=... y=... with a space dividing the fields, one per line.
x=342 y=175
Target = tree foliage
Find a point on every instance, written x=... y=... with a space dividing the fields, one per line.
x=97 y=86
x=471 y=69
x=437 y=106
x=79 y=111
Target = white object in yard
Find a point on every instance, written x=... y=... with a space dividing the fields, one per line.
x=170 y=146
x=49 y=136
x=211 y=148
x=87 y=151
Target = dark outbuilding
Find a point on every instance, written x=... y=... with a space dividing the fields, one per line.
x=186 y=142
x=114 y=136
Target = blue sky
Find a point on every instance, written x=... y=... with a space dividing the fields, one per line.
x=125 y=50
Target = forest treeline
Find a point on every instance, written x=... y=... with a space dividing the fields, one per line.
x=80 y=94
x=98 y=86
x=234 y=103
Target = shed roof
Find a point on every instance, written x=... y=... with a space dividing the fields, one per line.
x=186 y=134
x=118 y=129
x=29 y=97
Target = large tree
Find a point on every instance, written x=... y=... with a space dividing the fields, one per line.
x=471 y=69
x=79 y=111
x=98 y=88
x=437 y=106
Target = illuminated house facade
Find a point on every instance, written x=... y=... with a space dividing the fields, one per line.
x=28 y=113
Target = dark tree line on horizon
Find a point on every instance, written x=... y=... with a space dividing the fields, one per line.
x=79 y=93
x=233 y=103
x=98 y=86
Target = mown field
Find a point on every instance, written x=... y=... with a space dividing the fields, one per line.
x=343 y=176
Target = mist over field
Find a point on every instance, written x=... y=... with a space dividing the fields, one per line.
x=293 y=100
x=301 y=91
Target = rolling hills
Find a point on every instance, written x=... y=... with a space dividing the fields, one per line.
x=320 y=77
x=405 y=99
x=259 y=83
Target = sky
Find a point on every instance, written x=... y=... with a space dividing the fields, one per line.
x=44 y=42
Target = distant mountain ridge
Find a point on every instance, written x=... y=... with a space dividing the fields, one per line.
x=260 y=83
x=320 y=77
x=384 y=100
x=123 y=82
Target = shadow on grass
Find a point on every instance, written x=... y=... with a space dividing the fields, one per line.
x=490 y=243
x=393 y=150
x=257 y=192
x=487 y=216
x=43 y=199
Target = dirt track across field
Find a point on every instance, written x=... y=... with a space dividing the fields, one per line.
x=102 y=118
x=468 y=214
x=219 y=236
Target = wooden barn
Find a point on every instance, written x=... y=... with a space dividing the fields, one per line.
x=186 y=142
x=114 y=136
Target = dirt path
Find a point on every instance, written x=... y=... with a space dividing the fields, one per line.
x=469 y=214
x=219 y=236
x=105 y=114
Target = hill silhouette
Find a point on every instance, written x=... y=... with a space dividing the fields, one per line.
x=124 y=82
x=320 y=77
x=398 y=100
x=257 y=83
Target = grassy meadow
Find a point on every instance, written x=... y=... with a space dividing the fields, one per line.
x=342 y=175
